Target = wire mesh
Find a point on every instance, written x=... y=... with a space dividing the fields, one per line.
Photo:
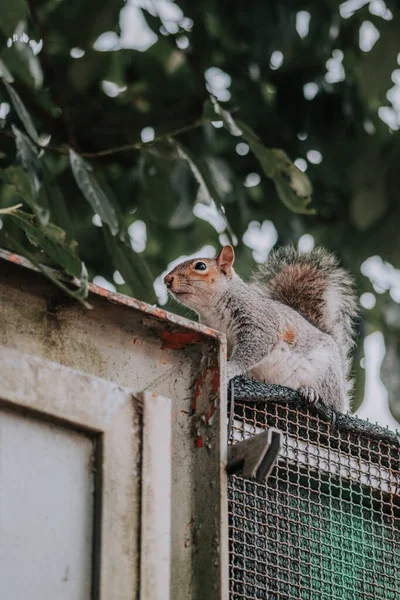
x=326 y=523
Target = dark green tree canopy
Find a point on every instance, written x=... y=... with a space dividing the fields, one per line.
x=136 y=132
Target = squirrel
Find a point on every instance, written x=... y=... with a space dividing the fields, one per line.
x=292 y=325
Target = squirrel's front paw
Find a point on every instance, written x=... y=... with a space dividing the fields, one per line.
x=309 y=394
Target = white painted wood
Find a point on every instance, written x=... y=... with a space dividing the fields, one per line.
x=156 y=498
x=46 y=505
x=109 y=415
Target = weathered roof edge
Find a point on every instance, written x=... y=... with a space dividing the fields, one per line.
x=122 y=299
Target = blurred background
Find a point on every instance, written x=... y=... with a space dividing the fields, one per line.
x=137 y=133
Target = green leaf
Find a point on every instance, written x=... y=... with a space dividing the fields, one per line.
x=57 y=234
x=222 y=178
x=204 y=195
x=157 y=169
x=12 y=12
x=23 y=64
x=83 y=290
x=18 y=178
x=79 y=295
x=21 y=111
x=292 y=185
x=212 y=106
x=50 y=239
x=132 y=267
x=182 y=216
x=93 y=192
x=5 y=73
x=53 y=197
x=58 y=206
x=28 y=156
x=182 y=181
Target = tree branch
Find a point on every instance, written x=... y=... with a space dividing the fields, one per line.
x=125 y=148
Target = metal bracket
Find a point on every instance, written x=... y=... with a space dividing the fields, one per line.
x=255 y=456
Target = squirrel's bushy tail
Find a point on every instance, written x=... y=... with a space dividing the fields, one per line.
x=313 y=284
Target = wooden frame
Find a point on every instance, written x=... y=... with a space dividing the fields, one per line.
x=111 y=415
x=155 y=520
x=143 y=347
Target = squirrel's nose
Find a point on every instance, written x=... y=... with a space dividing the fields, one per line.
x=168 y=280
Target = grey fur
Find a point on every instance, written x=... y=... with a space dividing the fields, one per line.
x=267 y=338
x=338 y=318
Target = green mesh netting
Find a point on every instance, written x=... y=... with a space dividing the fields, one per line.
x=326 y=524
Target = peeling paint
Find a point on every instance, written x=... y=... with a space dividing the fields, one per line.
x=15 y=259
x=216 y=377
x=197 y=391
x=188 y=534
x=199 y=442
x=199 y=384
x=176 y=340
x=210 y=414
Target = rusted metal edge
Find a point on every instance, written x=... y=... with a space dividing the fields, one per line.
x=123 y=300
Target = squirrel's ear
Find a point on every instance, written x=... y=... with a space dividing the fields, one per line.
x=226 y=258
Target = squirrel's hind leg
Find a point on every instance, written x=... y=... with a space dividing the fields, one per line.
x=330 y=391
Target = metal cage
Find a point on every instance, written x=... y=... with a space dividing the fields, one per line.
x=326 y=523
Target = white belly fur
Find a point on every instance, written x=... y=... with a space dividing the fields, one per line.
x=283 y=366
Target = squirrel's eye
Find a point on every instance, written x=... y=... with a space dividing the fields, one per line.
x=200 y=266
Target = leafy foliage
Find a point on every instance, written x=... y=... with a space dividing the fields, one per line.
x=99 y=135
